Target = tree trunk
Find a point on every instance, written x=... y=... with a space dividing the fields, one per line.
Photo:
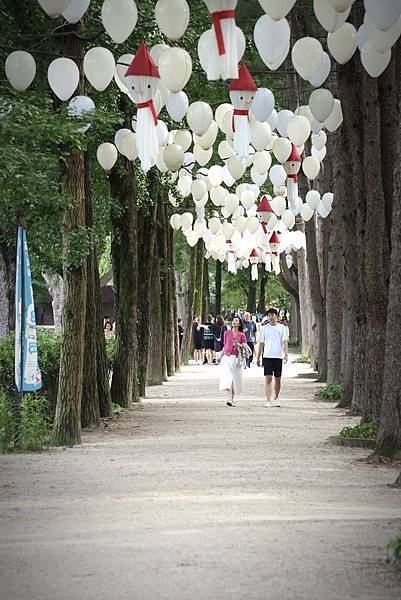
x=102 y=373
x=199 y=278
x=125 y=277
x=251 y=295
x=173 y=301
x=218 y=288
x=55 y=285
x=156 y=372
x=67 y=420
x=304 y=297
x=206 y=291
x=187 y=339
x=264 y=278
x=8 y=259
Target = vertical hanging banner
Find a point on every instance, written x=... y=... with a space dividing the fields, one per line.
x=28 y=377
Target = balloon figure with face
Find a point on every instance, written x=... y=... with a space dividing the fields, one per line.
x=254 y=259
x=231 y=261
x=273 y=259
x=264 y=211
x=142 y=81
x=292 y=166
x=223 y=56
x=242 y=92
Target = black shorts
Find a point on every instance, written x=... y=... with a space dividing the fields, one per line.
x=273 y=366
x=208 y=344
x=198 y=347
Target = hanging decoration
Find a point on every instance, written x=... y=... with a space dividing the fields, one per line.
x=142 y=79
x=242 y=93
x=254 y=259
x=292 y=166
x=223 y=54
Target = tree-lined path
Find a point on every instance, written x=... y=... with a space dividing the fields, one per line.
x=182 y=497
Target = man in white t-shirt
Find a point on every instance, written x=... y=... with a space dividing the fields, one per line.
x=273 y=343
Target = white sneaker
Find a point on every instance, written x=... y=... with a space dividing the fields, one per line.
x=268 y=403
x=275 y=402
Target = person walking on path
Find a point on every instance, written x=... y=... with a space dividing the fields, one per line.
x=219 y=330
x=208 y=339
x=230 y=368
x=198 y=340
x=180 y=331
x=273 y=343
x=250 y=331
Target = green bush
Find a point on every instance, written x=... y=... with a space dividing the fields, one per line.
x=364 y=431
x=303 y=358
x=332 y=392
x=394 y=550
x=7 y=422
x=111 y=351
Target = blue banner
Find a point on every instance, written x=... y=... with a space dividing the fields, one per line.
x=28 y=377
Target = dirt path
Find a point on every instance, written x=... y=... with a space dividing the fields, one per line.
x=184 y=498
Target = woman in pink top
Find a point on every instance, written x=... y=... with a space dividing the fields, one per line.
x=230 y=370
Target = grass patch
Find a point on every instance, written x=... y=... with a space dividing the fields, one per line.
x=393 y=550
x=303 y=358
x=332 y=392
x=30 y=433
x=116 y=408
x=364 y=431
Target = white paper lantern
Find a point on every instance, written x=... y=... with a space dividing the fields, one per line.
x=321 y=103
x=99 y=67
x=342 y=43
x=272 y=39
x=119 y=18
x=20 y=69
x=177 y=105
x=63 y=77
x=277 y=175
x=311 y=167
x=312 y=199
x=373 y=61
x=172 y=17
x=306 y=56
x=298 y=129
x=199 y=117
x=107 y=155
x=263 y=104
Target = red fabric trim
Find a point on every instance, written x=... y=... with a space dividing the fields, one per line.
x=239 y=111
x=149 y=104
x=217 y=17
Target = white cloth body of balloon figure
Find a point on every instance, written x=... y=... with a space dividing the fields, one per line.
x=142 y=81
x=274 y=256
x=254 y=259
x=231 y=260
x=264 y=212
x=223 y=54
x=292 y=166
x=242 y=93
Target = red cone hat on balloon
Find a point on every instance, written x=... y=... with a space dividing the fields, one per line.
x=143 y=63
x=244 y=82
x=264 y=212
x=292 y=166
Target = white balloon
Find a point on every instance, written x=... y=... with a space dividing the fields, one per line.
x=160 y=164
x=304 y=111
x=306 y=56
x=311 y=167
x=322 y=210
x=272 y=39
x=298 y=129
x=215 y=175
x=186 y=220
x=257 y=177
x=20 y=69
x=220 y=113
x=119 y=136
x=277 y=9
x=288 y=218
x=362 y=37
x=323 y=71
x=342 y=43
x=54 y=8
x=107 y=155
x=335 y=119
x=175 y=221
x=319 y=154
x=263 y=104
x=383 y=14
x=319 y=140
x=382 y=40
x=252 y=224
x=227 y=177
x=231 y=203
x=329 y=18
x=122 y=65
x=316 y=126
x=119 y=18
x=236 y=167
x=241 y=223
x=99 y=67
x=218 y=194
x=225 y=212
x=262 y=162
x=202 y=156
x=207 y=140
x=172 y=17
x=283 y=117
x=341 y=5
x=214 y=225
x=312 y=199
x=327 y=200
x=177 y=105
x=157 y=50
x=183 y=138
x=373 y=61
x=198 y=189
x=78 y=106
x=75 y=10
x=282 y=149
x=173 y=156
x=175 y=68
x=225 y=150
x=321 y=103
x=279 y=205
x=199 y=227
x=192 y=238
x=277 y=175
x=260 y=135
x=273 y=119
x=184 y=185
x=247 y=198
x=63 y=77
x=306 y=212
x=199 y=117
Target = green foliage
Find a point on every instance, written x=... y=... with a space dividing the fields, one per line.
x=111 y=351
x=35 y=424
x=364 y=431
x=7 y=423
x=116 y=408
x=332 y=392
x=394 y=550
x=303 y=358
